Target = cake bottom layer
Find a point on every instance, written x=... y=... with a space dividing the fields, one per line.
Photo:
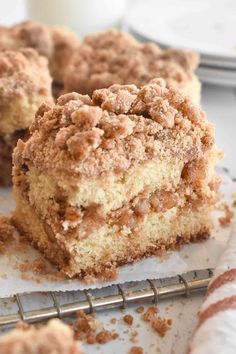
x=7 y=144
x=110 y=246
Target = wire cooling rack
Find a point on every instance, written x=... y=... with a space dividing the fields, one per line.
x=37 y=307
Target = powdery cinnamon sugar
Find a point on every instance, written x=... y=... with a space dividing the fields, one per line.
x=112 y=56
x=117 y=128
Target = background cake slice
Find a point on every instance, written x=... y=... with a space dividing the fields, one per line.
x=56 y=43
x=105 y=181
x=114 y=57
x=53 y=338
x=25 y=83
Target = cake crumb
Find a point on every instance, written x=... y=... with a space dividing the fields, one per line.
x=228 y=215
x=136 y=350
x=150 y=313
x=161 y=325
x=87 y=328
x=234 y=203
x=104 y=337
x=133 y=336
x=7 y=232
x=128 y=319
x=23 y=325
x=140 y=309
x=113 y=320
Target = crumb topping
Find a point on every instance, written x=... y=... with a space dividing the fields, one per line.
x=112 y=56
x=55 y=43
x=20 y=74
x=116 y=129
x=25 y=83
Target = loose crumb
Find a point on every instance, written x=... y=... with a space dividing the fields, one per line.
x=136 y=350
x=150 y=313
x=113 y=320
x=226 y=219
x=161 y=325
x=104 y=337
x=133 y=336
x=128 y=319
x=87 y=328
x=23 y=326
x=140 y=309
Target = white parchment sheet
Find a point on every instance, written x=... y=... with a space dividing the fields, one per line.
x=190 y=257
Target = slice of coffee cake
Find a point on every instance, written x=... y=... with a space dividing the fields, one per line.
x=115 y=57
x=108 y=180
x=25 y=83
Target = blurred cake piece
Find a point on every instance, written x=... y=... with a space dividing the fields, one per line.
x=25 y=83
x=114 y=57
x=53 y=338
x=56 y=43
x=105 y=181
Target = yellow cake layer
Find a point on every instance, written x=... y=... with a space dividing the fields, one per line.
x=111 y=243
x=111 y=191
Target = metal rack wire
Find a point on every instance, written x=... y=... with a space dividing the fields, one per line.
x=186 y=284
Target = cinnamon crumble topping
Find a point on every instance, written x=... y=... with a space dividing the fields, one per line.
x=114 y=57
x=80 y=136
x=55 y=43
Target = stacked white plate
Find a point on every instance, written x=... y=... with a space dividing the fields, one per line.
x=206 y=26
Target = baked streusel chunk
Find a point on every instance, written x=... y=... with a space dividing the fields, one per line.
x=25 y=83
x=114 y=57
x=106 y=180
x=53 y=338
x=55 y=43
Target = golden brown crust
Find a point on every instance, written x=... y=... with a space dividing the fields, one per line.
x=55 y=43
x=113 y=57
x=120 y=127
